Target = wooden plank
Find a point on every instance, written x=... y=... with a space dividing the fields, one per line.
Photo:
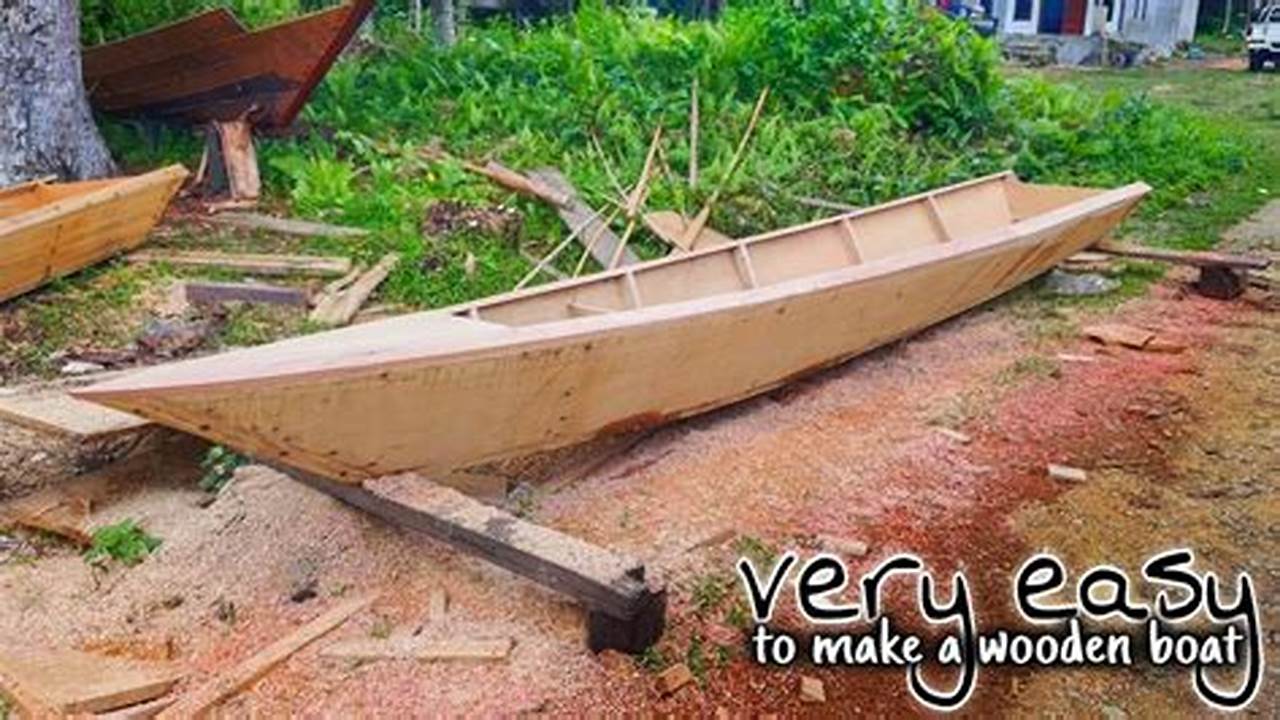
x=69 y=681
x=199 y=702
x=210 y=293
x=250 y=263
x=670 y=227
x=1180 y=257
x=609 y=584
x=338 y=309
x=413 y=648
x=286 y=226
x=595 y=234
x=51 y=510
x=54 y=411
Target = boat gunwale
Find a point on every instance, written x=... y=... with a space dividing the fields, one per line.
x=89 y=199
x=609 y=274
x=537 y=336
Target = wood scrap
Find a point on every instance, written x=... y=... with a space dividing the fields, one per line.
x=528 y=185
x=670 y=227
x=637 y=197
x=69 y=681
x=1119 y=334
x=1066 y=473
x=286 y=226
x=413 y=648
x=252 y=264
x=602 y=241
x=53 y=411
x=812 y=691
x=211 y=293
x=339 y=308
x=54 y=511
x=199 y=702
x=694 y=229
x=675 y=677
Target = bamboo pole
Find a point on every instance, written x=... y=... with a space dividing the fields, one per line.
x=694 y=228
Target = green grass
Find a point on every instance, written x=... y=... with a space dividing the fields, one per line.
x=124 y=542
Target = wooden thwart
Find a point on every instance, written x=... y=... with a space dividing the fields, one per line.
x=625 y=613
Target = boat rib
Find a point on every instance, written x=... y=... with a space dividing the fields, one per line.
x=625 y=349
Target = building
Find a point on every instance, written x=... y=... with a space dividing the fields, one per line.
x=1074 y=28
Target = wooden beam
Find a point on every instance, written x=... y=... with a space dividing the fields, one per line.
x=253 y=264
x=208 y=293
x=53 y=411
x=286 y=226
x=1198 y=259
x=339 y=308
x=199 y=702
x=412 y=648
x=625 y=613
x=235 y=140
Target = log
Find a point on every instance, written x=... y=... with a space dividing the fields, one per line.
x=206 y=293
x=286 y=226
x=625 y=614
x=253 y=264
x=199 y=702
x=339 y=308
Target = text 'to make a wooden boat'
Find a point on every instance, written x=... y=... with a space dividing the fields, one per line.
x=565 y=362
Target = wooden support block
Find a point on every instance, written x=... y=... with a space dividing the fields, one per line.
x=69 y=681
x=286 y=226
x=1220 y=282
x=412 y=648
x=239 y=158
x=338 y=308
x=52 y=410
x=207 y=293
x=1119 y=334
x=198 y=702
x=595 y=234
x=625 y=614
x=252 y=264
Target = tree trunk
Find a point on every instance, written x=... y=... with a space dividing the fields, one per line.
x=445 y=21
x=46 y=127
x=1226 y=17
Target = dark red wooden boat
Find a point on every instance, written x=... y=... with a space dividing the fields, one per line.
x=210 y=67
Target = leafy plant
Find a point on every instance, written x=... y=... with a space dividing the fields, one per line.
x=125 y=542
x=219 y=465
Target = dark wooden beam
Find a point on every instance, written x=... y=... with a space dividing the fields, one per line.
x=625 y=613
x=209 y=293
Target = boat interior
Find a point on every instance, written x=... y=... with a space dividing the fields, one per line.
x=24 y=198
x=958 y=212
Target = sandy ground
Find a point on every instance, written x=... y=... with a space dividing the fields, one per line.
x=1181 y=448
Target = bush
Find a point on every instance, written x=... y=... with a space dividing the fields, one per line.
x=124 y=541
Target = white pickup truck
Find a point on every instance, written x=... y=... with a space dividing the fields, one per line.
x=1263 y=37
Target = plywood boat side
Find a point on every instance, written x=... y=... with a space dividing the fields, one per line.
x=210 y=68
x=51 y=230
x=662 y=340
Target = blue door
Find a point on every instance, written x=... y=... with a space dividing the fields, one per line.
x=1051 y=12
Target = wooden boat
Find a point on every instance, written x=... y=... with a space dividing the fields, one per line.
x=209 y=67
x=50 y=230
x=625 y=349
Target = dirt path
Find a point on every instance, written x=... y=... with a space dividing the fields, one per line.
x=1181 y=448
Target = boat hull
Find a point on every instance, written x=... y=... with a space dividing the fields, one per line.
x=48 y=231
x=210 y=68
x=512 y=391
